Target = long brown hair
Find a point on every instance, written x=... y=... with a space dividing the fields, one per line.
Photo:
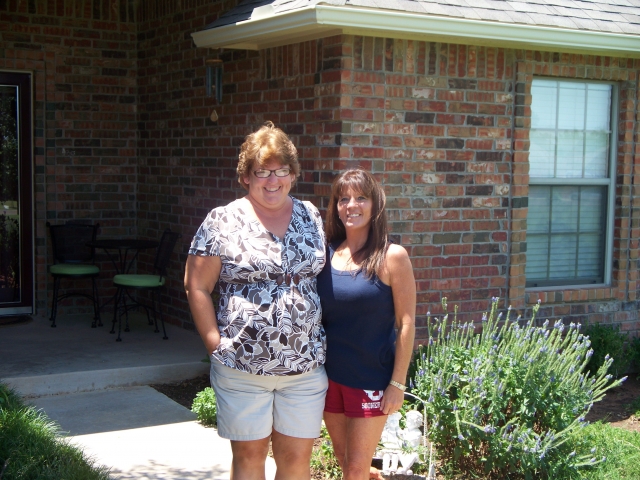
x=371 y=256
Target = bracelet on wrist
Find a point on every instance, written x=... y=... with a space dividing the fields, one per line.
x=398 y=385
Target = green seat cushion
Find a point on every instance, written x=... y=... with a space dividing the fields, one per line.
x=138 y=281
x=73 y=269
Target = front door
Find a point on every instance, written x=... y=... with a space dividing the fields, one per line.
x=16 y=221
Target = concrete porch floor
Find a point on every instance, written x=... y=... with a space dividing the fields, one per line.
x=38 y=360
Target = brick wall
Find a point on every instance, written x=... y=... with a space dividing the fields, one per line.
x=124 y=137
x=83 y=56
x=445 y=129
x=187 y=161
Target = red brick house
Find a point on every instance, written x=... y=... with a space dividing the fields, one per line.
x=505 y=133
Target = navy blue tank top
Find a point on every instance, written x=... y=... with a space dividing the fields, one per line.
x=359 y=319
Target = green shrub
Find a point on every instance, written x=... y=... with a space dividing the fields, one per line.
x=509 y=402
x=205 y=407
x=608 y=341
x=634 y=355
x=30 y=448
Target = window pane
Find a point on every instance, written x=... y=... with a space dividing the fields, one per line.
x=592 y=209
x=590 y=265
x=596 y=156
x=537 y=256
x=538 y=219
x=577 y=144
x=570 y=154
x=568 y=248
x=571 y=105
x=598 y=107
x=562 y=257
x=543 y=104
x=542 y=153
x=564 y=209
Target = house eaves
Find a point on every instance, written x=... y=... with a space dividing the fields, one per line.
x=267 y=29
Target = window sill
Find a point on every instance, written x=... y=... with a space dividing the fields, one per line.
x=573 y=293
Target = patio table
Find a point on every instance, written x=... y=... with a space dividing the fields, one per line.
x=120 y=260
x=123 y=247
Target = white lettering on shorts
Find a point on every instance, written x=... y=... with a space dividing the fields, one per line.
x=371 y=406
x=374 y=394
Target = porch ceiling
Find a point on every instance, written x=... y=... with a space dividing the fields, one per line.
x=267 y=29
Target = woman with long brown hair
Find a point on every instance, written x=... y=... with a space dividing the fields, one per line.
x=368 y=295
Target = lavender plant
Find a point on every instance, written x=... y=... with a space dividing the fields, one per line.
x=509 y=401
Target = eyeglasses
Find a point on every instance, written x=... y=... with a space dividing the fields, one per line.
x=278 y=172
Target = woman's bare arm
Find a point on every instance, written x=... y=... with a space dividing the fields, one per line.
x=200 y=277
x=403 y=287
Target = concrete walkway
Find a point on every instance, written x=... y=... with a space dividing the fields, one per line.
x=96 y=389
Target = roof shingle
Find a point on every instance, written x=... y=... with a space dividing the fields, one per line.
x=612 y=16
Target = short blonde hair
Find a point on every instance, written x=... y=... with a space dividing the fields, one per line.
x=264 y=144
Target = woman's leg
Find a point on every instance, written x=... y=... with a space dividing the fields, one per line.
x=298 y=405
x=248 y=459
x=292 y=456
x=354 y=442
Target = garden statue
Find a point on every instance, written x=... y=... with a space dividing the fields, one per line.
x=412 y=435
x=394 y=439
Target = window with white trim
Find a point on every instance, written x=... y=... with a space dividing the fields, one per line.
x=571 y=183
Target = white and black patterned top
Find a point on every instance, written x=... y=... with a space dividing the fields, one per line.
x=269 y=313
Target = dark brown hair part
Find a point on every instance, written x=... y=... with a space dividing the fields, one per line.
x=371 y=256
x=266 y=143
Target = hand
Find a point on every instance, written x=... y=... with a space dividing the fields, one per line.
x=392 y=400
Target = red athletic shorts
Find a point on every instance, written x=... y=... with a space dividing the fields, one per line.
x=353 y=402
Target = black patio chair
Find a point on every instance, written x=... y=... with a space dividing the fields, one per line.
x=73 y=259
x=154 y=283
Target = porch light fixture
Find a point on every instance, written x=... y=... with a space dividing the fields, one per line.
x=214 y=77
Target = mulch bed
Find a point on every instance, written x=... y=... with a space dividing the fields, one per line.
x=184 y=392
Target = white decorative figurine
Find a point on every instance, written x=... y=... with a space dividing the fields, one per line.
x=412 y=435
x=393 y=438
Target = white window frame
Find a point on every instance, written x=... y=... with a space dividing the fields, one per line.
x=609 y=182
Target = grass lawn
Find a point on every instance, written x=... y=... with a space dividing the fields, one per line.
x=31 y=450
x=620 y=447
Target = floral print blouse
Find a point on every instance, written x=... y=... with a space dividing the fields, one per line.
x=269 y=313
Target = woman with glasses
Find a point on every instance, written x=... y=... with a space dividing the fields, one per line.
x=267 y=344
x=368 y=292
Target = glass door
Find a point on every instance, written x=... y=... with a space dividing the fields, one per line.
x=16 y=222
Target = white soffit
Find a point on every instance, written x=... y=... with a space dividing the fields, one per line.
x=266 y=29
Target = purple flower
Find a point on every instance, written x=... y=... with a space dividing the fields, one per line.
x=489 y=429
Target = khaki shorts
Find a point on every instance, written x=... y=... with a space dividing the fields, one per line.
x=251 y=406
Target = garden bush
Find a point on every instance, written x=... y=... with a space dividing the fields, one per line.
x=205 y=407
x=30 y=448
x=509 y=401
x=608 y=341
